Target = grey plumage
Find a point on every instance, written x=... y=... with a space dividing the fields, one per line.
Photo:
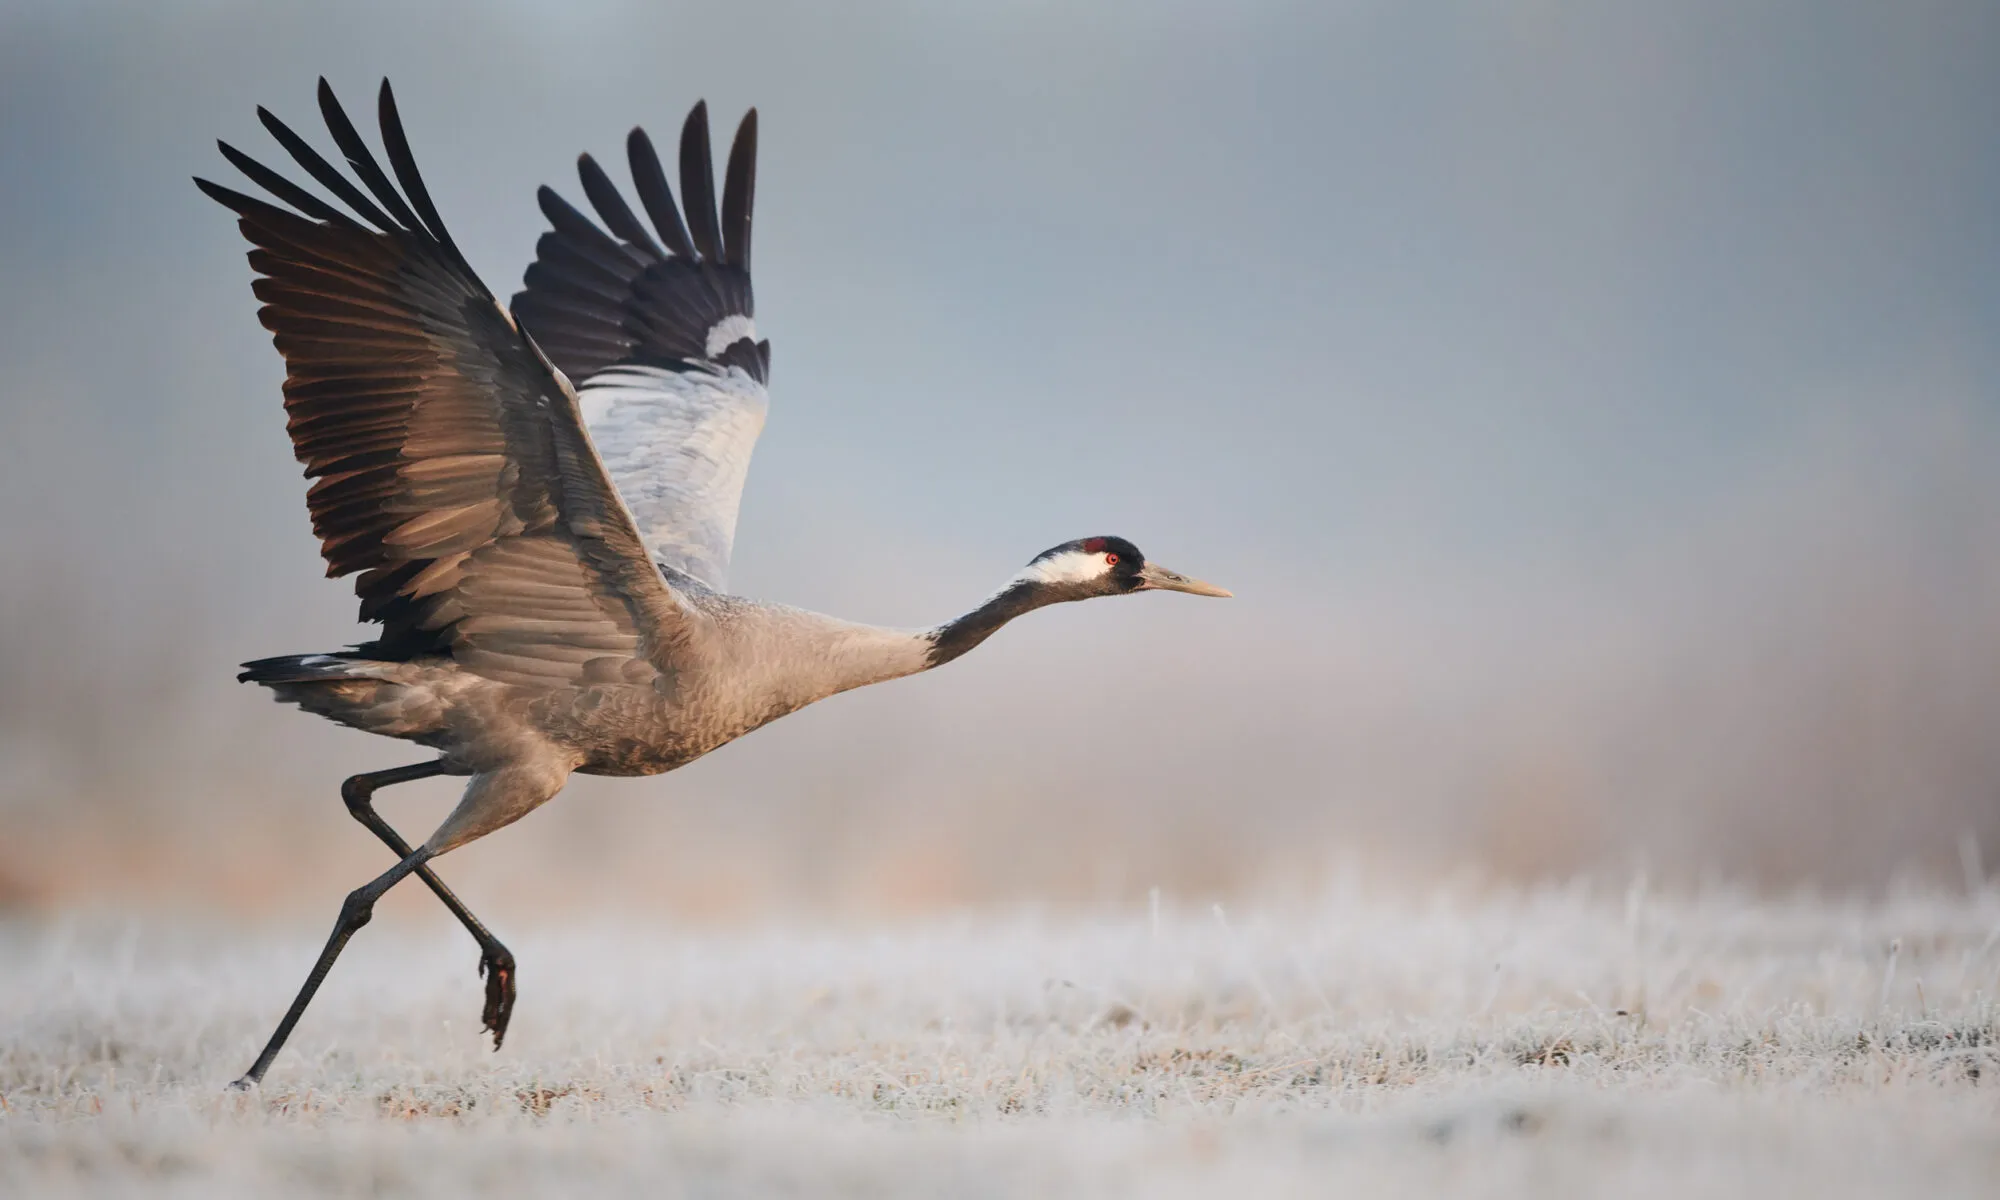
x=547 y=561
x=677 y=446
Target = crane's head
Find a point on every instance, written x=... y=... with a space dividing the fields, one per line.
x=1104 y=566
x=1078 y=570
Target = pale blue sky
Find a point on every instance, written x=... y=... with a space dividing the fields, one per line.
x=1431 y=308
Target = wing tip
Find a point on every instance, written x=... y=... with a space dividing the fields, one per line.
x=739 y=192
x=649 y=178
x=229 y=198
x=697 y=163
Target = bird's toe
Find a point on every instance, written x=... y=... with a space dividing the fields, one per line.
x=499 y=972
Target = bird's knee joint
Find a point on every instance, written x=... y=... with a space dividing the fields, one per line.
x=357 y=909
x=356 y=793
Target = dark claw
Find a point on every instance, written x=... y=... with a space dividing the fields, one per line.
x=498 y=968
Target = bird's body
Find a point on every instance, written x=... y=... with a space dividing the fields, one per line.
x=548 y=558
x=745 y=664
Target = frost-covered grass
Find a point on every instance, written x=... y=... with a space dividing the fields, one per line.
x=1552 y=1041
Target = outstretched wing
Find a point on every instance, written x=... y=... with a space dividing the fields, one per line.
x=452 y=468
x=660 y=340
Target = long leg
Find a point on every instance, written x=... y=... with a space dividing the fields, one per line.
x=496 y=962
x=354 y=913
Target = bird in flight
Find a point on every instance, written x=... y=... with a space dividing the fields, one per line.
x=538 y=501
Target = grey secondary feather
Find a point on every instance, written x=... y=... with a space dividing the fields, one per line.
x=677 y=445
x=547 y=561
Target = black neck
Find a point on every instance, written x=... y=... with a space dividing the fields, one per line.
x=954 y=638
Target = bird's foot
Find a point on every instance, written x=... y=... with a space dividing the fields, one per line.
x=245 y=1084
x=498 y=968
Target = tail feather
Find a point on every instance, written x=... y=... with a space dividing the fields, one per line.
x=394 y=699
x=297 y=668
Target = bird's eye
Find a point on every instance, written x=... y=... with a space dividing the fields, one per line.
x=1110 y=560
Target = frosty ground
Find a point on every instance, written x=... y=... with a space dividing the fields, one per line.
x=1581 y=1039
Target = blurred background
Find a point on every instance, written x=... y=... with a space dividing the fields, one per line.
x=1596 y=410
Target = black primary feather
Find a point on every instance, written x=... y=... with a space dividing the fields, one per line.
x=611 y=206
x=651 y=181
x=405 y=163
x=739 y=193
x=583 y=236
x=698 y=184
x=595 y=300
x=284 y=189
x=328 y=176
x=362 y=159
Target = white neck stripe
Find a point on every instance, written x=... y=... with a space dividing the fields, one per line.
x=1071 y=566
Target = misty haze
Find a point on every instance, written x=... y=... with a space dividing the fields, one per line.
x=1595 y=413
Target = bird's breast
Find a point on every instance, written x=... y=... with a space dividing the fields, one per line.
x=625 y=730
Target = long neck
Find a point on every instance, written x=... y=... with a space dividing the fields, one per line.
x=954 y=638
x=785 y=658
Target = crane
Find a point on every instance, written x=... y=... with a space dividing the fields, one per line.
x=547 y=559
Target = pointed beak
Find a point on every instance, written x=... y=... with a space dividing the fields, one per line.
x=1153 y=577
